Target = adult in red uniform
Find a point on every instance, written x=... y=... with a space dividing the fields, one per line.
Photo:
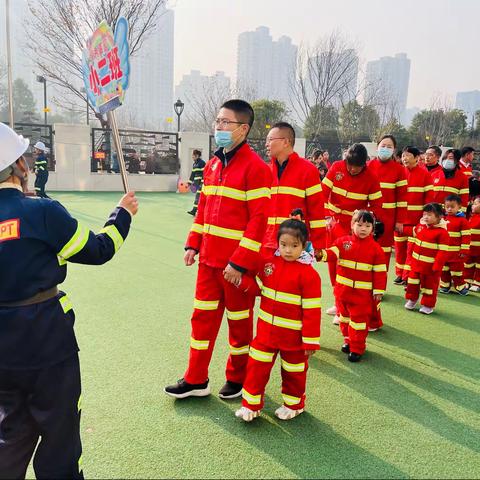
x=419 y=193
x=450 y=179
x=432 y=158
x=466 y=161
x=227 y=231
x=295 y=184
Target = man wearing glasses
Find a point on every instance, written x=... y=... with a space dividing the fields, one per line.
x=227 y=233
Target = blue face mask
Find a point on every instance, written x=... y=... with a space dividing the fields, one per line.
x=448 y=164
x=385 y=153
x=223 y=138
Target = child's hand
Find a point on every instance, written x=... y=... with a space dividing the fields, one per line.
x=309 y=353
x=378 y=297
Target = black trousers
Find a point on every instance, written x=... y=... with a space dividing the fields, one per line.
x=43 y=404
x=40 y=182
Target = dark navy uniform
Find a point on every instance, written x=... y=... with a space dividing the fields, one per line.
x=41 y=170
x=39 y=368
x=196 y=178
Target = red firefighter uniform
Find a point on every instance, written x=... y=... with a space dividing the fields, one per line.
x=465 y=169
x=429 y=254
x=472 y=263
x=228 y=229
x=457 y=184
x=361 y=273
x=459 y=249
x=393 y=183
x=298 y=187
x=288 y=324
x=419 y=193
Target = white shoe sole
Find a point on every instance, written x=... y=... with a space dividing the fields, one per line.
x=204 y=392
x=297 y=413
x=230 y=397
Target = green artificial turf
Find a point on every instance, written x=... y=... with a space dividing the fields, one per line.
x=410 y=409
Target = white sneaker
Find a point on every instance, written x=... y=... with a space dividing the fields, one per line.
x=475 y=288
x=410 y=305
x=373 y=329
x=336 y=320
x=246 y=414
x=332 y=310
x=426 y=310
x=285 y=413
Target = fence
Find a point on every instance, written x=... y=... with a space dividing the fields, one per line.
x=145 y=152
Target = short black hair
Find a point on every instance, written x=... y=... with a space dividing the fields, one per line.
x=294 y=227
x=297 y=211
x=288 y=128
x=453 y=198
x=243 y=110
x=197 y=152
x=391 y=137
x=317 y=153
x=413 y=150
x=457 y=155
x=436 y=149
x=435 y=208
x=357 y=155
x=364 y=216
x=466 y=150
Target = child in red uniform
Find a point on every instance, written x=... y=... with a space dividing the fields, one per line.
x=360 y=282
x=472 y=264
x=459 y=248
x=429 y=253
x=288 y=323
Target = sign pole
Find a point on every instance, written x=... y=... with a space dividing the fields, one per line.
x=112 y=120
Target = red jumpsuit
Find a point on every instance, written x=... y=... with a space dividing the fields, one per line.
x=228 y=228
x=429 y=253
x=288 y=324
x=419 y=193
x=298 y=187
x=459 y=249
x=472 y=263
x=443 y=186
x=465 y=169
x=361 y=273
x=393 y=183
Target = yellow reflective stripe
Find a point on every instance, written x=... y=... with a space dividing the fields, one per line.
x=223 y=191
x=375 y=195
x=276 y=220
x=357 y=325
x=279 y=321
x=401 y=239
x=454 y=248
x=313 y=190
x=114 y=235
x=251 y=399
x=389 y=205
x=354 y=284
x=365 y=267
x=465 y=246
x=239 y=350
x=455 y=273
x=466 y=232
x=433 y=246
x=196 y=227
x=318 y=223
x=418 y=189
x=413 y=281
x=238 y=314
x=259 y=281
x=334 y=250
x=423 y=258
x=311 y=340
x=282 y=297
x=79 y=403
x=290 y=399
x=335 y=209
x=387 y=185
x=199 y=344
x=378 y=292
x=347 y=194
x=205 y=304
x=308 y=303
x=282 y=190
x=65 y=303
x=293 y=367
x=415 y=208
x=257 y=193
x=475 y=231
x=250 y=244
x=426 y=291
x=455 y=234
x=401 y=183
x=402 y=204
x=464 y=191
x=74 y=245
x=261 y=356
x=327 y=182
x=223 y=232
x=475 y=243
x=380 y=268
x=387 y=249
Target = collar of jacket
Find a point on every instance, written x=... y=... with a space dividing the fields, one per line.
x=226 y=157
x=9 y=185
x=293 y=157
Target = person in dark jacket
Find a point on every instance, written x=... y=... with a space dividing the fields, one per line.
x=41 y=169
x=196 y=178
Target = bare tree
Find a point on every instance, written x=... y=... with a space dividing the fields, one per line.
x=60 y=29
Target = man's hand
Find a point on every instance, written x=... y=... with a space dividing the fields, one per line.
x=399 y=227
x=378 y=297
x=189 y=257
x=318 y=252
x=129 y=202
x=232 y=276
x=309 y=353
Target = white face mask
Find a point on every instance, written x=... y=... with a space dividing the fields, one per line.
x=448 y=164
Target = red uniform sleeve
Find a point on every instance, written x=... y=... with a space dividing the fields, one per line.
x=466 y=237
x=315 y=210
x=401 y=189
x=258 y=183
x=443 y=253
x=379 y=272
x=311 y=309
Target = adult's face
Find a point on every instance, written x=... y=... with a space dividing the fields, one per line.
x=326 y=156
x=354 y=169
x=227 y=120
x=431 y=158
x=409 y=160
x=276 y=143
x=468 y=158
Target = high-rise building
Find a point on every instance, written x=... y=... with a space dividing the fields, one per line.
x=264 y=66
x=149 y=99
x=469 y=102
x=389 y=78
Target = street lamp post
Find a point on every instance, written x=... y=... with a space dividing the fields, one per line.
x=179 y=106
x=42 y=79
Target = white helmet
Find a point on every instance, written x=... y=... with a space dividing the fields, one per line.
x=40 y=146
x=12 y=146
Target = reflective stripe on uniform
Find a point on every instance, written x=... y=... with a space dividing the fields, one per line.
x=357 y=325
x=280 y=321
x=257 y=193
x=344 y=319
x=311 y=340
x=74 y=245
x=348 y=194
x=293 y=367
x=317 y=223
x=375 y=195
x=260 y=356
x=282 y=190
x=308 y=303
x=313 y=190
x=251 y=399
x=423 y=258
x=276 y=220
x=239 y=350
x=223 y=191
x=223 y=232
x=389 y=205
x=290 y=399
x=282 y=297
x=354 y=284
x=250 y=244
x=199 y=344
x=238 y=314
x=364 y=267
x=114 y=234
x=387 y=185
x=65 y=303
x=205 y=304
x=196 y=227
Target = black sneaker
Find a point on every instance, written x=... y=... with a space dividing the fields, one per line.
x=345 y=348
x=182 y=389
x=192 y=212
x=230 y=390
x=399 y=281
x=354 y=357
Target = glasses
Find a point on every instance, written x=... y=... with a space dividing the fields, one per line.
x=221 y=122
x=269 y=140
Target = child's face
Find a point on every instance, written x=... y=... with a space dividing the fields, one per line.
x=430 y=218
x=290 y=247
x=362 y=229
x=451 y=208
x=476 y=206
